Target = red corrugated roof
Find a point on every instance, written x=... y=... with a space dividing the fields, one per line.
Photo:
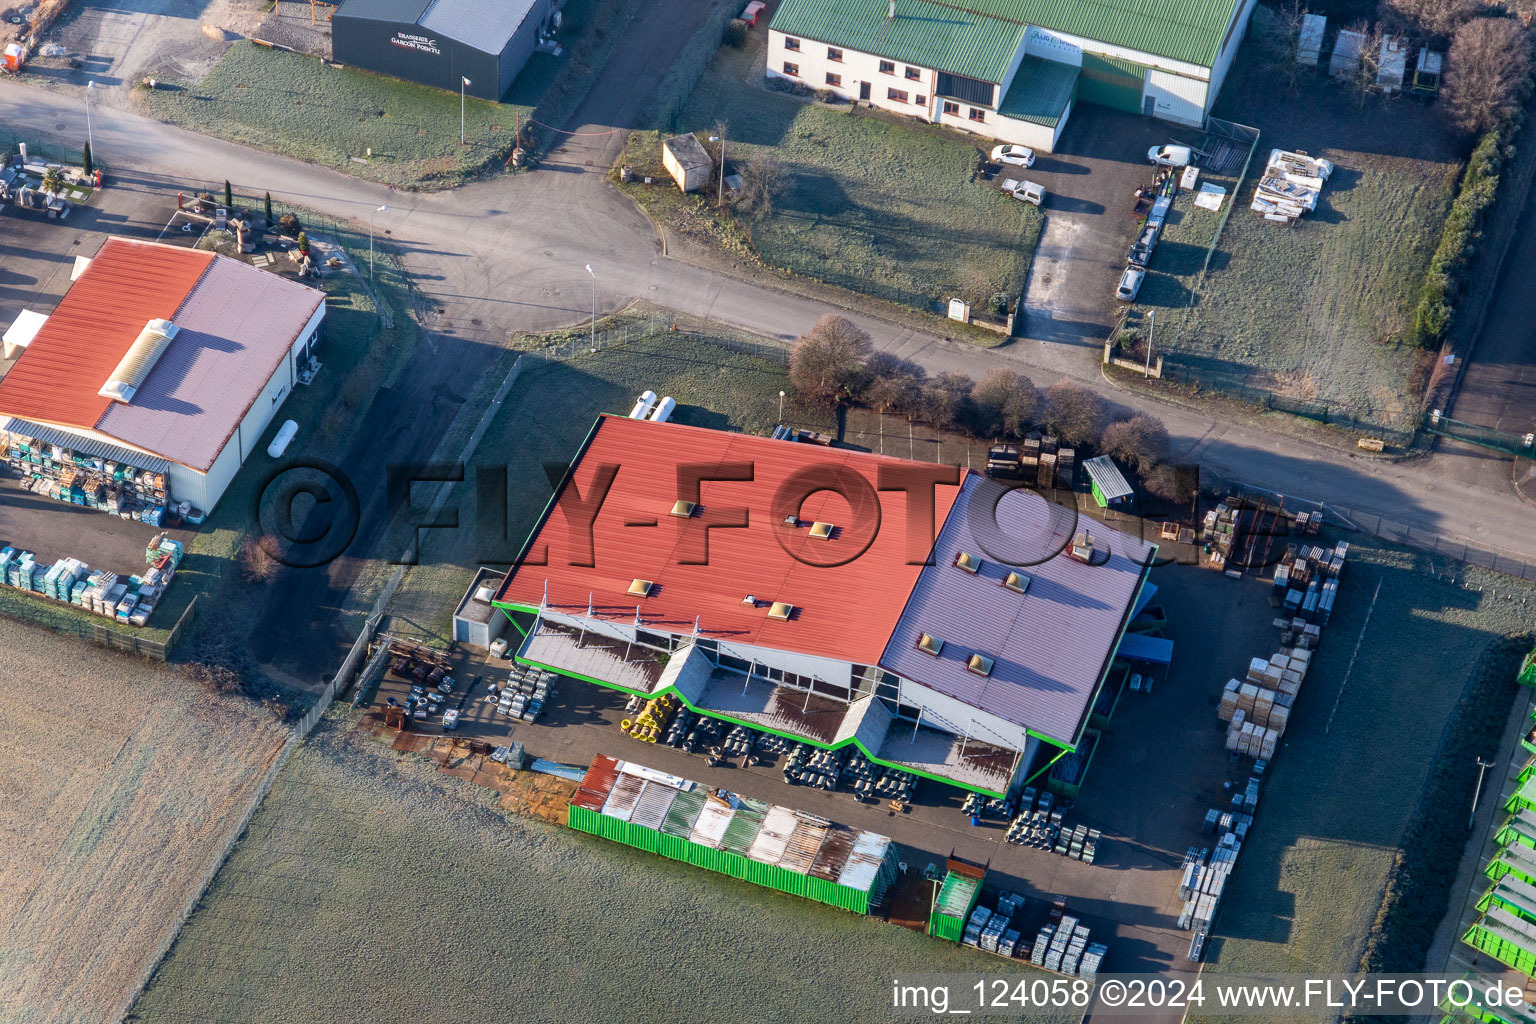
x=846 y=612
x=129 y=283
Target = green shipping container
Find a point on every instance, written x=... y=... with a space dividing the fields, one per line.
x=952 y=906
x=1506 y=938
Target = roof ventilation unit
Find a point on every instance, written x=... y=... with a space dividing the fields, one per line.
x=822 y=531
x=791 y=521
x=1082 y=546
x=980 y=664
x=930 y=644
x=781 y=610
x=1016 y=582
x=140 y=358
x=641 y=588
x=683 y=509
x=750 y=601
x=969 y=562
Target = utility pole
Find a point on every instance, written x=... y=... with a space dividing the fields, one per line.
x=462 y=83
x=720 y=195
x=594 y=306
x=90 y=140
x=370 y=240
x=1482 y=766
x=1146 y=372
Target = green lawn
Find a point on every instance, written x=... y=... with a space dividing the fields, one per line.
x=299 y=106
x=1312 y=312
x=887 y=207
x=1337 y=807
x=544 y=419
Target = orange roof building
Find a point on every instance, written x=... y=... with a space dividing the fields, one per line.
x=171 y=359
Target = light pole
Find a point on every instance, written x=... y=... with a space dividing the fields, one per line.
x=89 y=140
x=781 y=407
x=594 y=306
x=462 y=83
x=1482 y=766
x=720 y=197
x=1146 y=371
x=370 y=240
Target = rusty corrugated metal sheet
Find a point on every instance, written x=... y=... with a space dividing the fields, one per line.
x=713 y=822
x=833 y=855
x=804 y=843
x=846 y=612
x=597 y=783
x=625 y=794
x=773 y=838
x=236 y=329
x=127 y=284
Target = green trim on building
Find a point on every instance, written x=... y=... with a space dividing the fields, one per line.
x=681 y=697
x=1111 y=82
x=1041 y=92
x=724 y=862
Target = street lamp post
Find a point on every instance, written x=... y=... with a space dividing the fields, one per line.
x=594 y=306
x=462 y=83
x=720 y=196
x=781 y=406
x=370 y=240
x=1482 y=766
x=1146 y=371
x=89 y=140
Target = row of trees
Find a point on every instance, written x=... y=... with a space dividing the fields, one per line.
x=835 y=364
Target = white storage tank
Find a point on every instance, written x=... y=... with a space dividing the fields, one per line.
x=285 y=435
x=643 y=406
x=664 y=410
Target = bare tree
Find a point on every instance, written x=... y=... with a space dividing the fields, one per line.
x=1076 y=414
x=1427 y=19
x=1171 y=483
x=1490 y=60
x=894 y=384
x=762 y=179
x=257 y=563
x=944 y=399
x=1004 y=400
x=1290 y=18
x=1363 y=82
x=826 y=366
x=1141 y=442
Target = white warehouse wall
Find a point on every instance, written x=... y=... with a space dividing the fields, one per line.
x=1175 y=98
x=1229 y=52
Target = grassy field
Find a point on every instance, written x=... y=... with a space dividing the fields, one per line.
x=1312 y=312
x=544 y=419
x=372 y=887
x=122 y=782
x=1343 y=789
x=299 y=106
x=883 y=207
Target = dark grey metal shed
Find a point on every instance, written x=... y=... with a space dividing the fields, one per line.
x=438 y=42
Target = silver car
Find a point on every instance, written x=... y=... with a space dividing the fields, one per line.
x=1130 y=283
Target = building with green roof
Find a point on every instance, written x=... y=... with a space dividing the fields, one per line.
x=1012 y=70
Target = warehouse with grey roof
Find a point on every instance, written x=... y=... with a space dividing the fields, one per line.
x=441 y=43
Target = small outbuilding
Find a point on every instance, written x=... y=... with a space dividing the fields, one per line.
x=685 y=159
x=1309 y=44
x=476 y=622
x=1392 y=64
x=1345 y=62
x=1109 y=486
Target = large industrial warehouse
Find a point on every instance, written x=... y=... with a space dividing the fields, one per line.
x=441 y=42
x=818 y=621
x=166 y=363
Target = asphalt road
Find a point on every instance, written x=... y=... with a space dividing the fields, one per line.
x=510 y=254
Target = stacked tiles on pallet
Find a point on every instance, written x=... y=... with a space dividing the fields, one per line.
x=71 y=581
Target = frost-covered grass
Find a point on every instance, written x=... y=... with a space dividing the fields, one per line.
x=372 y=888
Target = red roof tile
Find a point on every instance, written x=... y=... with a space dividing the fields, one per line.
x=846 y=611
x=128 y=284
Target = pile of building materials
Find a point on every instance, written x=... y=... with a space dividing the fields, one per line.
x=651 y=719
x=1201 y=887
x=990 y=929
x=1258 y=708
x=1290 y=185
x=78 y=478
x=1062 y=945
x=526 y=692
x=1306 y=585
x=130 y=600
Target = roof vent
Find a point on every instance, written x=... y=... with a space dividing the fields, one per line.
x=1016 y=582
x=683 y=509
x=969 y=562
x=750 y=601
x=1082 y=546
x=781 y=610
x=485 y=594
x=140 y=358
x=930 y=644
x=980 y=664
x=821 y=531
x=791 y=521
x=641 y=588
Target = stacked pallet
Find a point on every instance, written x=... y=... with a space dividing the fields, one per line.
x=76 y=478
x=1290 y=185
x=129 y=600
x=1029 y=453
x=1066 y=467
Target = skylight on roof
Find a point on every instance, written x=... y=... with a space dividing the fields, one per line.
x=930 y=644
x=980 y=664
x=640 y=588
x=1016 y=582
x=781 y=610
x=969 y=562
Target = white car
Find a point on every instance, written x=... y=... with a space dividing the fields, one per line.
x=1014 y=156
x=1130 y=283
x=1027 y=191
x=1170 y=156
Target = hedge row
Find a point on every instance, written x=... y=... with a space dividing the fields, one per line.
x=1461 y=234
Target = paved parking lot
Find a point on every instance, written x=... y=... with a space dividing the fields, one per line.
x=54 y=530
x=1069 y=301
